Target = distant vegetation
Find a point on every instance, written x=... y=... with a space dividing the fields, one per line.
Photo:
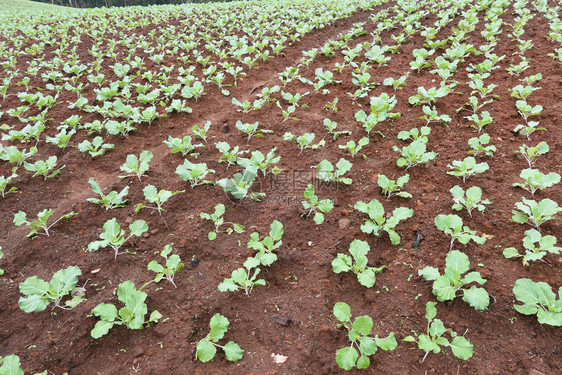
x=112 y=3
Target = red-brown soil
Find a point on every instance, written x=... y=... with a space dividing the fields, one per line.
x=292 y=314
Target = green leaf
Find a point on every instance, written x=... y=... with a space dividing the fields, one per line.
x=429 y=273
x=212 y=236
x=367 y=345
x=233 y=351
x=219 y=325
x=105 y=311
x=511 y=252
x=64 y=281
x=101 y=328
x=461 y=348
x=10 y=365
x=205 y=350
x=341 y=263
x=33 y=303
x=363 y=325
x=138 y=227
x=476 y=297
x=20 y=218
x=276 y=231
x=318 y=218
x=457 y=261
x=346 y=358
x=34 y=286
x=363 y=362
x=387 y=343
x=342 y=311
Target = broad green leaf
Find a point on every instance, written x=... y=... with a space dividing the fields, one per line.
x=429 y=273
x=276 y=231
x=431 y=311
x=461 y=348
x=426 y=344
x=232 y=351
x=477 y=298
x=457 y=261
x=549 y=317
x=105 y=311
x=511 y=252
x=33 y=303
x=367 y=345
x=342 y=263
x=363 y=362
x=387 y=343
x=342 y=311
x=64 y=280
x=101 y=328
x=155 y=266
x=212 y=236
x=363 y=325
x=34 y=285
x=346 y=358
x=532 y=293
x=205 y=350
x=318 y=218
x=11 y=365
x=138 y=227
x=443 y=289
x=219 y=325
x=20 y=218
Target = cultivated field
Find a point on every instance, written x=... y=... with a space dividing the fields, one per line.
x=291 y=187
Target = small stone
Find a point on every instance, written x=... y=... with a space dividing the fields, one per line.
x=129 y=220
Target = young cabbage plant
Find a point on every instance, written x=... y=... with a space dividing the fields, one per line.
x=96 y=147
x=207 y=347
x=536 y=247
x=331 y=127
x=218 y=221
x=362 y=345
x=113 y=236
x=13 y=155
x=229 y=156
x=469 y=200
x=136 y=166
x=447 y=286
x=265 y=247
x=479 y=145
x=194 y=173
x=182 y=145
x=316 y=206
x=391 y=187
x=530 y=153
x=357 y=263
x=303 y=141
x=251 y=130
x=538 y=299
x=20 y=218
x=39 y=294
x=45 y=168
x=327 y=172
x=240 y=183
x=201 y=132
x=536 y=214
x=535 y=180
x=353 y=147
x=453 y=226
x=154 y=196
x=111 y=200
x=431 y=115
x=415 y=134
x=8 y=180
x=131 y=315
x=260 y=161
x=379 y=221
x=527 y=129
x=414 y=154
x=433 y=340
x=62 y=138
x=168 y=271
x=243 y=278
x=467 y=168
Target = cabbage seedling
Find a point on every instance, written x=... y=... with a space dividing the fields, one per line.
x=390 y=187
x=243 y=278
x=173 y=266
x=467 y=168
x=533 y=213
x=536 y=247
x=39 y=294
x=218 y=221
x=359 y=331
x=41 y=223
x=265 y=247
x=45 y=168
x=111 y=200
x=313 y=205
x=181 y=145
x=539 y=299
x=378 y=220
x=534 y=180
x=357 y=263
x=152 y=195
x=131 y=315
x=446 y=286
x=194 y=173
x=136 y=166
x=453 y=226
x=472 y=200
x=207 y=347
x=433 y=339
x=114 y=237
